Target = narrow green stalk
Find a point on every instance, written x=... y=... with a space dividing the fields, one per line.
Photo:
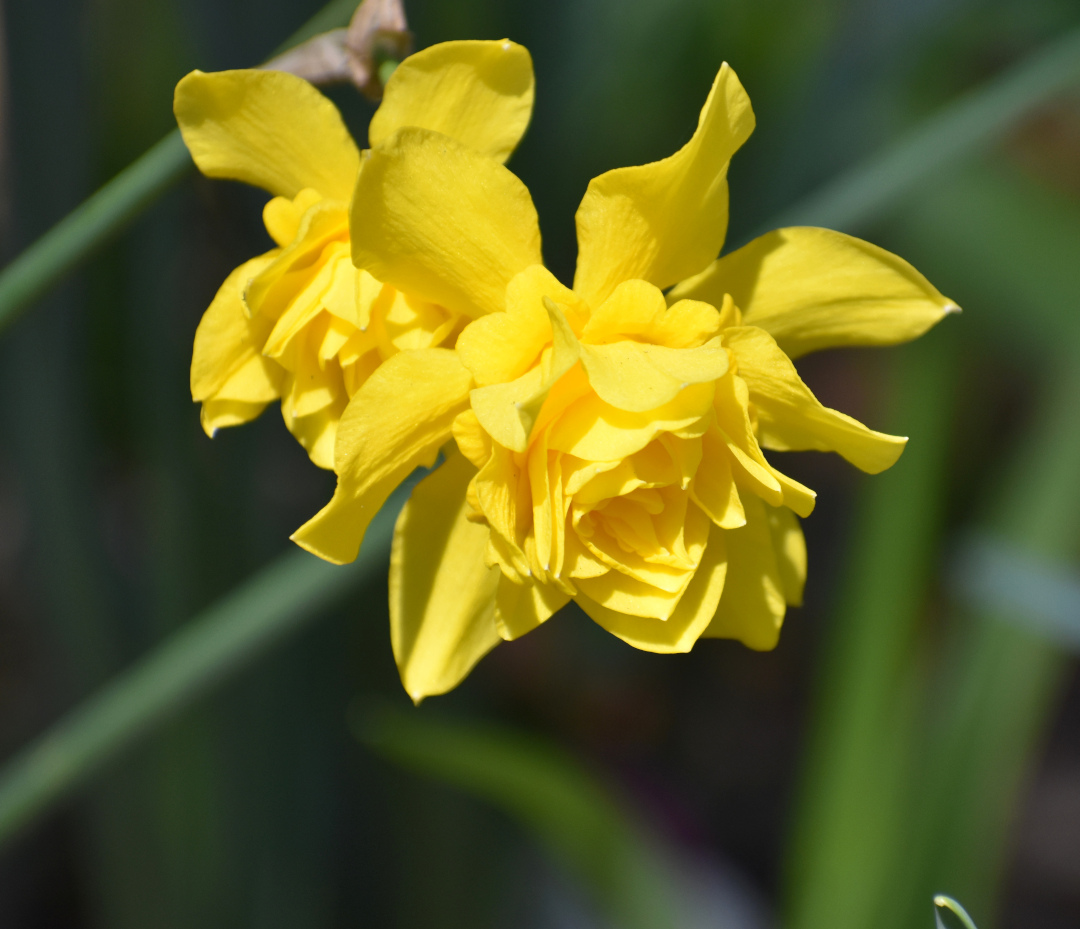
x=969 y=124
x=1003 y=678
x=850 y=813
x=108 y=212
x=215 y=645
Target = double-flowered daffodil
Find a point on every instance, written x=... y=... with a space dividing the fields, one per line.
x=301 y=322
x=608 y=436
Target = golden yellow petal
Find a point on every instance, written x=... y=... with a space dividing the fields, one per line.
x=695 y=610
x=227 y=362
x=396 y=422
x=478 y=92
x=442 y=593
x=592 y=429
x=520 y=608
x=752 y=607
x=442 y=221
x=637 y=310
x=790 y=548
x=266 y=128
x=637 y=377
x=664 y=221
x=790 y=417
x=814 y=288
x=501 y=347
x=220 y=414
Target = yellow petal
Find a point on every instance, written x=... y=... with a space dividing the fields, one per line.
x=714 y=488
x=638 y=377
x=227 y=363
x=472 y=441
x=752 y=607
x=509 y=411
x=442 y=221
x=814 y=288
x=681 y=629
x=315 y=432
x=266 y=128
x=442 y=593
x=592 y=429
x=664 y=221
x=501 y=347
x=220 y=414
x=637 y=310
x=520 y=608
x=790 y=548
x=395 y=422
x=790 y=417
x=478 y=92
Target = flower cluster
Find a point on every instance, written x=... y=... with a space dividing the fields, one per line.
x=603 y=442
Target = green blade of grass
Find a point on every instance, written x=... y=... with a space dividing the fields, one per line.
x=106 y=213
x=213 y=646
x=965 y=126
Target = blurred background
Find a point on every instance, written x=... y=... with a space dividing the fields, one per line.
x=916 y=731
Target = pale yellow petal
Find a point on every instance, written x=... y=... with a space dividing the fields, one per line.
x=478 y=92
x=790 y=417
x=815 y=288
x=395 y=422
x=442 y=221
x=266 y=128
x=753 y=605
x=695 y=610
x=442 y=593
x=520 y=608
x=664 y=221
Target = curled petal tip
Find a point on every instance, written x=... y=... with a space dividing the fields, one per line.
x=952 y=308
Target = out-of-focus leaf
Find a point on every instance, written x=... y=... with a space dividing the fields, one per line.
x=948 y=914
x=549 y=793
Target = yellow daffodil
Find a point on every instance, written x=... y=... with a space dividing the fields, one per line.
x=300 y=322
x=608 y=436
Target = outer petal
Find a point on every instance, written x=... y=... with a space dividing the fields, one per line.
x=790 y=548
x=664 y=221
x=267 y=128
x=229 y=375
x=442 y=593
x=394 y=423
x=681 y=630
x=442 y=221
x=753 y=605
x=814 y=288
x=520 y=608
x=790 y=417
x=480 y=93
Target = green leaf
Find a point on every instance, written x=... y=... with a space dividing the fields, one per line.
x=551 y=794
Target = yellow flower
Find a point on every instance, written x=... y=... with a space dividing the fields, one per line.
x=609 y=437
x=300 y=322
